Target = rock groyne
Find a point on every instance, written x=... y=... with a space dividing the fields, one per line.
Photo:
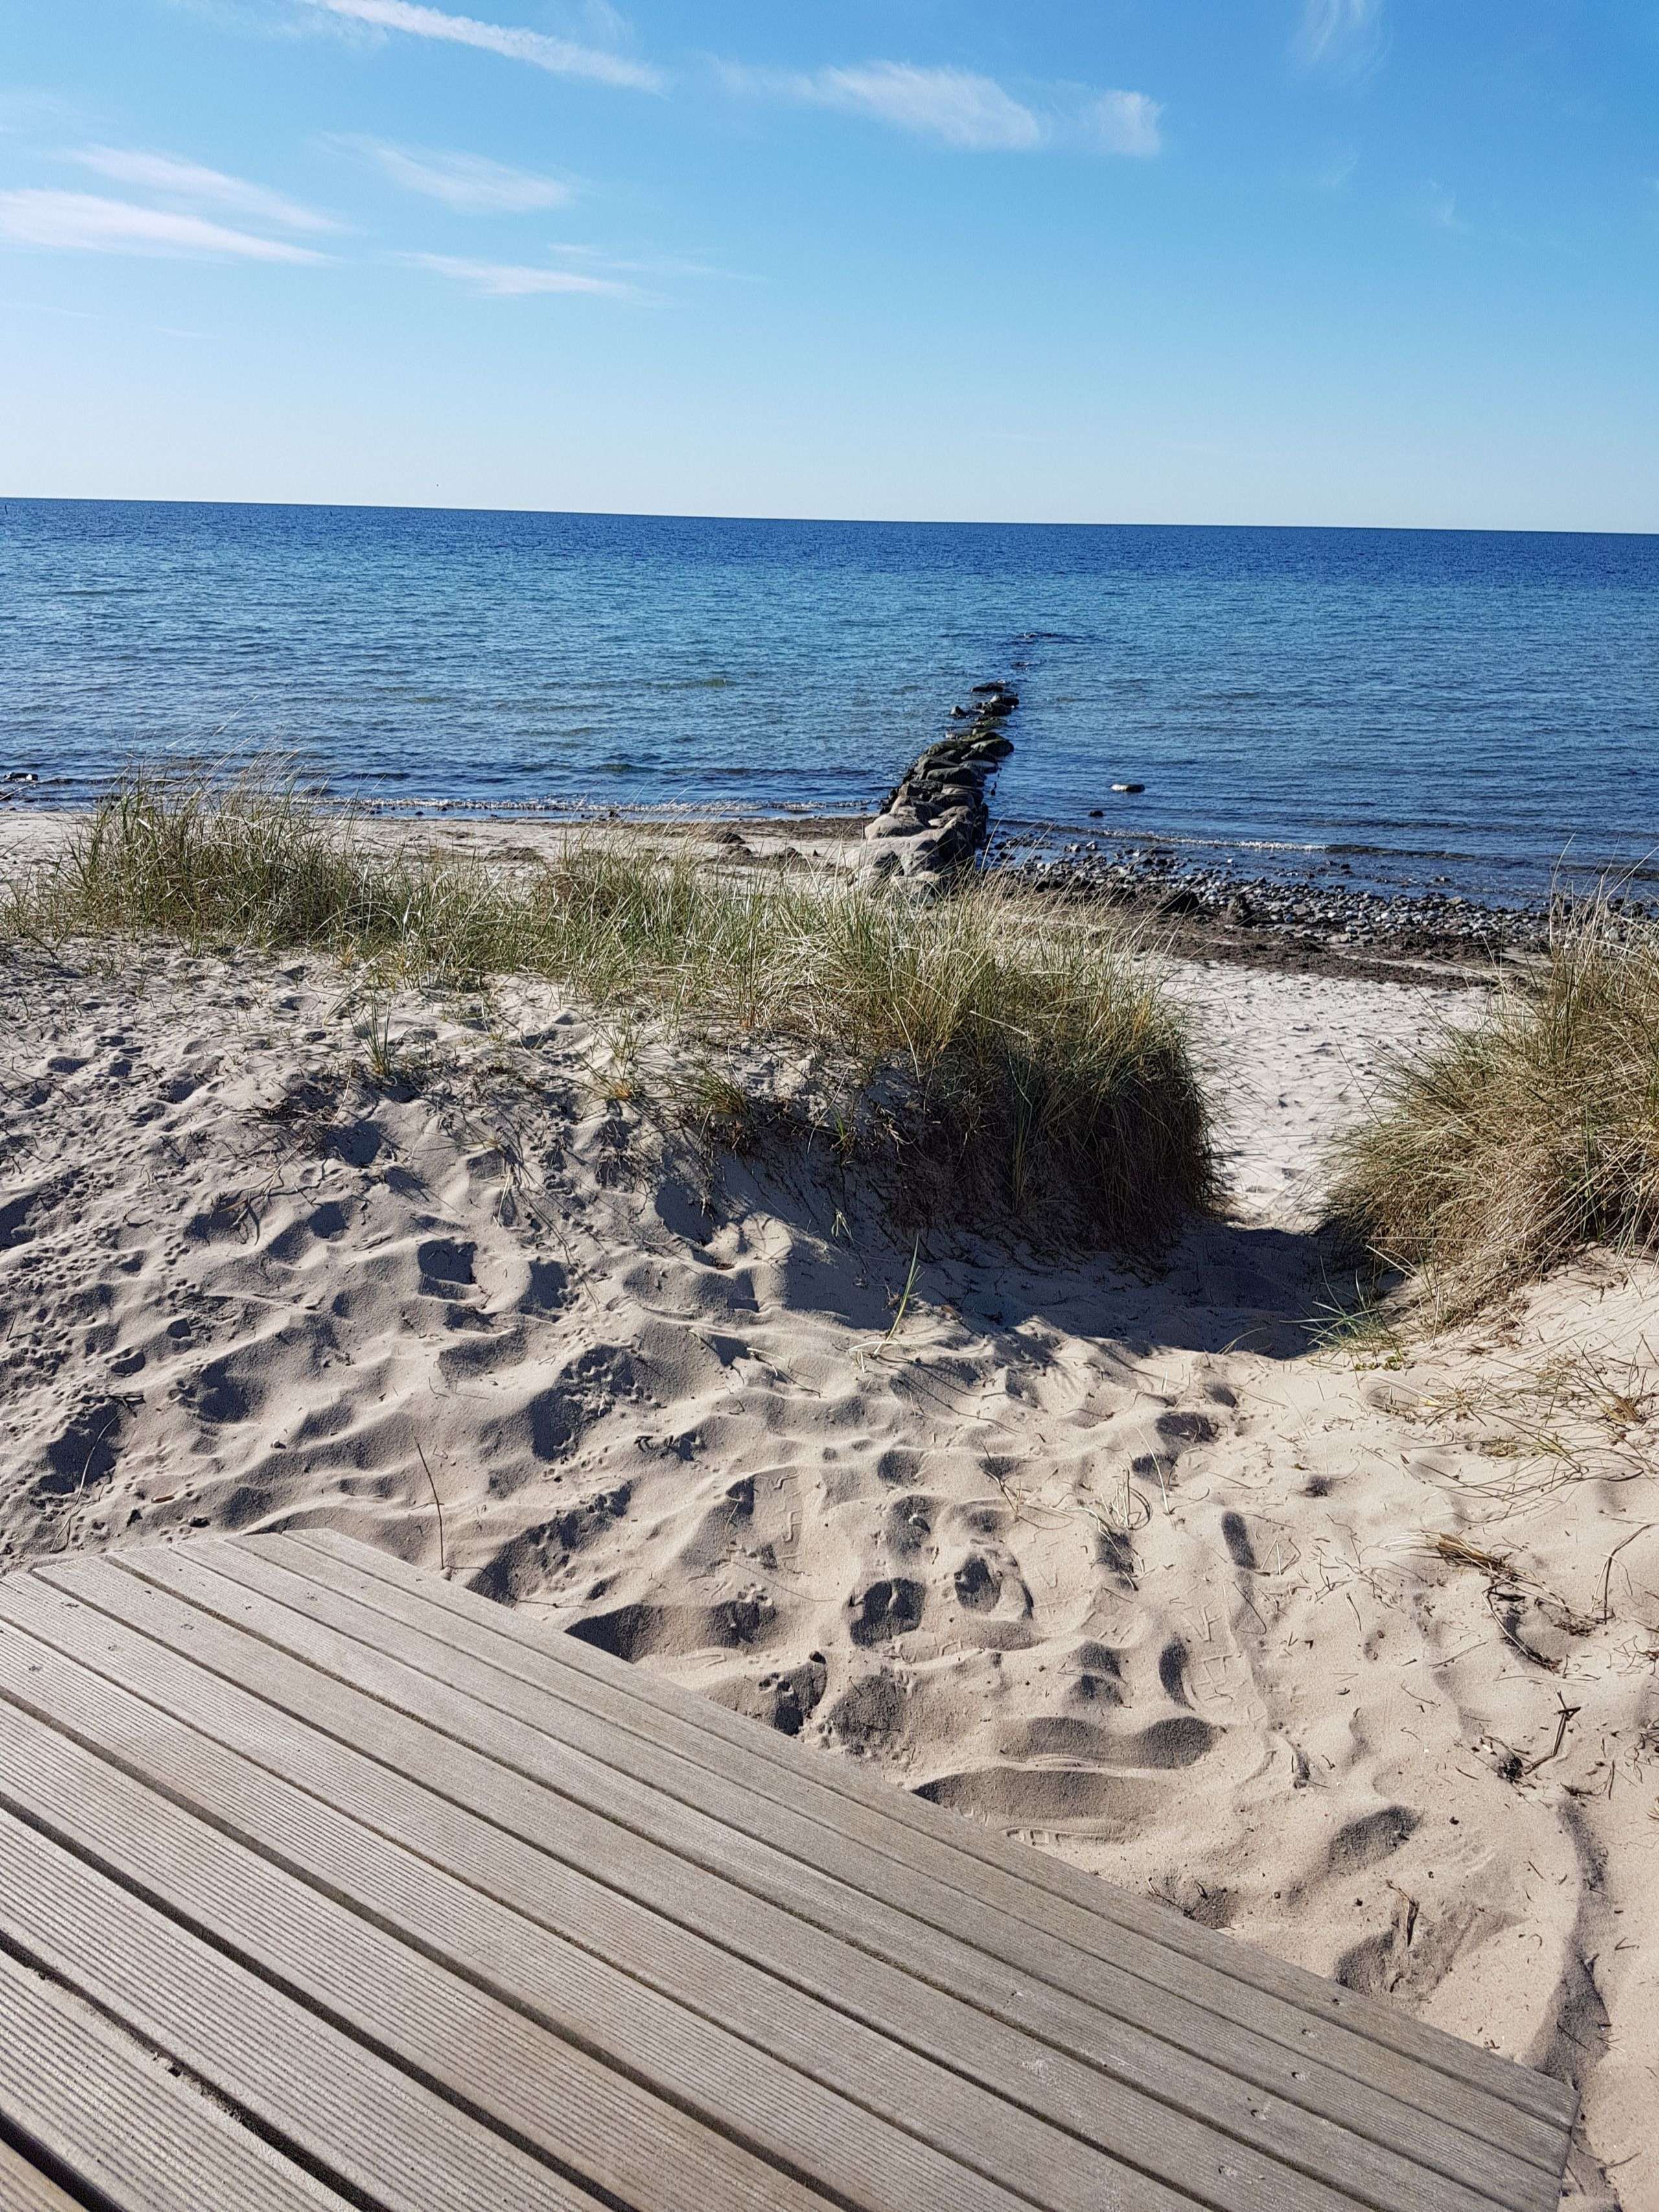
x=935 y=821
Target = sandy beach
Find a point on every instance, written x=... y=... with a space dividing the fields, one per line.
x=829 y=1108
x=1343 y=1640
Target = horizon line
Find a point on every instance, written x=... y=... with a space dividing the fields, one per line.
x=854 y=522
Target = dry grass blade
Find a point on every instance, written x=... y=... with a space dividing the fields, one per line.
x=902 y=1306
x=1458 y=1551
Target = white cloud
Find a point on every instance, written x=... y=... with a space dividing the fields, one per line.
x=604 y=22
x=177 y=179
x=658 y=267
x=962 y=109
x=564 y=57
x=504 y=280
x=1345 y=36
x=83 y=221
x=1128 y=123
x=468 y=181
x=950 y=104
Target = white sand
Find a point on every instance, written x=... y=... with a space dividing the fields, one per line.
x=1133 y=1567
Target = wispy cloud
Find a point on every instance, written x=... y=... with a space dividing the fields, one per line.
x=82 y=222
x=563 y=57
x=189 y=180
x=508 y=280
x=468 y=181
x=656 y=266
x=949 y=103
x=961 y=108
x=1345 y=37
x=1128 y=123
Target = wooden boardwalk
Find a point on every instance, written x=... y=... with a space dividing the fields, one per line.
x=326 y=1884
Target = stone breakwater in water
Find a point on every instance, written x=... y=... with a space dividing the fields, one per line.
x=936 y=819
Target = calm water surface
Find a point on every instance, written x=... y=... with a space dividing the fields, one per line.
x=1420 y=705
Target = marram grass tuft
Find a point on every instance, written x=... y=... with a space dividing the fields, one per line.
x=1006 y=1062
x=1508 y=1147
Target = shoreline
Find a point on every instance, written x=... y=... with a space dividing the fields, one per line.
x=1297 y=923
x=1099 y=841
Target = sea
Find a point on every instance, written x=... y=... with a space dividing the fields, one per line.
x=1477 y=710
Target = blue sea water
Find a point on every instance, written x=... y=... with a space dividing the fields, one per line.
x=1468 y=707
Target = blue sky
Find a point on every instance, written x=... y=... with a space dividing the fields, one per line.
x=1318 y=261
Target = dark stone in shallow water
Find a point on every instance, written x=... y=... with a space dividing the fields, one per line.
x=931 y=822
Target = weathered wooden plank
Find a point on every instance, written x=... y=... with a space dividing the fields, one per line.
x=900 y=2006
x=515 y=2074
x=792 y=1774
x=113 y=2116
x=24 y=2188
x=498 y=1864
x=1078 y=2175
x=451 y=1921
x=1379 y=2023
x=223 y=1880
x=789 y=1857
x=355 y=2116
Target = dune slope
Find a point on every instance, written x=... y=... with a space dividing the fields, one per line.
x=1347 y=1646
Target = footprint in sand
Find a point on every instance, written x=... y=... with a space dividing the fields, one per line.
x=1236 y=1537
x=1362 y=1843
x=886 y=1608
x=868 y=1714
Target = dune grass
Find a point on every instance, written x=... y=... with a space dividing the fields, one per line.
x=1515 y=1145
x=996 y=1056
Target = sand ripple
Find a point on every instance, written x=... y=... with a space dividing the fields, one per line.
x=1116 y=1562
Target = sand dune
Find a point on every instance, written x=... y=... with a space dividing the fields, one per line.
x=1332 y=1645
